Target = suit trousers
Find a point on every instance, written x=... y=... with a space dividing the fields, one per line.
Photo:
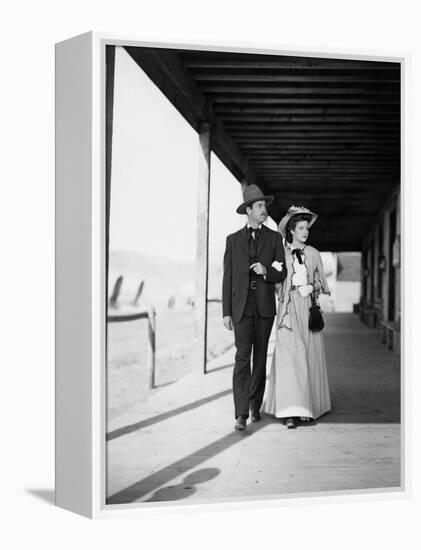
x=251 y=334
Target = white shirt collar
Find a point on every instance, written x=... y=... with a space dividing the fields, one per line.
x=291 y=248
x=258 y=227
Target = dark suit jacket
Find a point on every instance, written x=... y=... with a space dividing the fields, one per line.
x=235 y=283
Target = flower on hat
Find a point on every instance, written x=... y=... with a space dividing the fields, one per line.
x=300 y=209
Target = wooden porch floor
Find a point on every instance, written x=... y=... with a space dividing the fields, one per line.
x=180 y=443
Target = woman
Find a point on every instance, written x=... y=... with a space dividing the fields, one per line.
x=298 y=385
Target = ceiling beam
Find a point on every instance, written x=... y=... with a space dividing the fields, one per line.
x=314 y=135
x=325 y=165
x=386 y=77
x=268 y=61
x=377 y=89
x=309 y=109
x=317 y=125
x=373 y=100
x=309 y=147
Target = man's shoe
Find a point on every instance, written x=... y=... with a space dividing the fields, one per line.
x=240 y=425
x=255 y=416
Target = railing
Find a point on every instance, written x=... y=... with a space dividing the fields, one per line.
x=150 y=315
x=115 y=317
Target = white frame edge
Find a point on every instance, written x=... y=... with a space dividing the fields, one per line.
x=74 y=314
x=80 y=280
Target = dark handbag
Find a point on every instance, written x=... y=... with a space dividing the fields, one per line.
x=315 y=320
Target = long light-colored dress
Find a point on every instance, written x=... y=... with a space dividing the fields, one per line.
x=298 y=383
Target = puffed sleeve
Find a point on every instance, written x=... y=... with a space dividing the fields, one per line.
x=320 y=282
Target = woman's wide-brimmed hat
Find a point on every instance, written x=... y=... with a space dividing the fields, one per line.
x=252 y=193
x=293 y=211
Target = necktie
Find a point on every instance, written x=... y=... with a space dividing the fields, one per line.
x=253 y=240
x=298 y=253
x=256 y=232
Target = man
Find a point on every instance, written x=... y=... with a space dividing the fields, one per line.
x=253 y=262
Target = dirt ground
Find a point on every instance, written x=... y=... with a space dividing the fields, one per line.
x=128 y=360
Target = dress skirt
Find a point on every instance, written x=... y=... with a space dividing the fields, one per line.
x=298 y=383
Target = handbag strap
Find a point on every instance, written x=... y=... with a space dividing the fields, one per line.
x=313 y=300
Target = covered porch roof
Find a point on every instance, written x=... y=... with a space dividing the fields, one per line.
x=320 y=132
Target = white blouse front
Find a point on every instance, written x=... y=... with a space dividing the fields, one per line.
x=299 y=276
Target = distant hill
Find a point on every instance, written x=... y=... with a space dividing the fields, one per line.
x=163 y=278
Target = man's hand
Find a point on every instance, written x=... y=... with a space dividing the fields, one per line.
x=259 y=268
x=227 y=320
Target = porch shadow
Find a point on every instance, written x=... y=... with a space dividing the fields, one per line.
x=186 y=488
x=164 y=416
x=150 y=483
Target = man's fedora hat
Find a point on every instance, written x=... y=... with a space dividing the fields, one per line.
x=252 y=193
x=293 y=211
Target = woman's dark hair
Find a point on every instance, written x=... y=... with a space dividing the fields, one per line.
x=292 y=222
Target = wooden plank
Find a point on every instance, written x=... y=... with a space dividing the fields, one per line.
x=316 y=172
x=321 y=172
x=379 y=90
x=287 y=147
x=352 y=79
x=316 y=176
x=240 y=119
x=305 y=110
x=375 y=182
x=337 y=139
x=317 y=163
x=268 y=61
x=310 y=146
x=374 y=100
x=279 y=153
x=337 y=158
x=125 y=317
x=337 y=168
x=202 y=250
x=311 y=126
x=339 y=133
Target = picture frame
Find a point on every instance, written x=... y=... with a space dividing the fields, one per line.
x=82 y=163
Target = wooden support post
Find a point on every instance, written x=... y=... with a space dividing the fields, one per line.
x=376 y=264
x=109 y=113
x=376 y=297
x=152 y=345
x=370 y=273
x=200 y=303
x=398 y=265
x=386 y=272
x=363 y=298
